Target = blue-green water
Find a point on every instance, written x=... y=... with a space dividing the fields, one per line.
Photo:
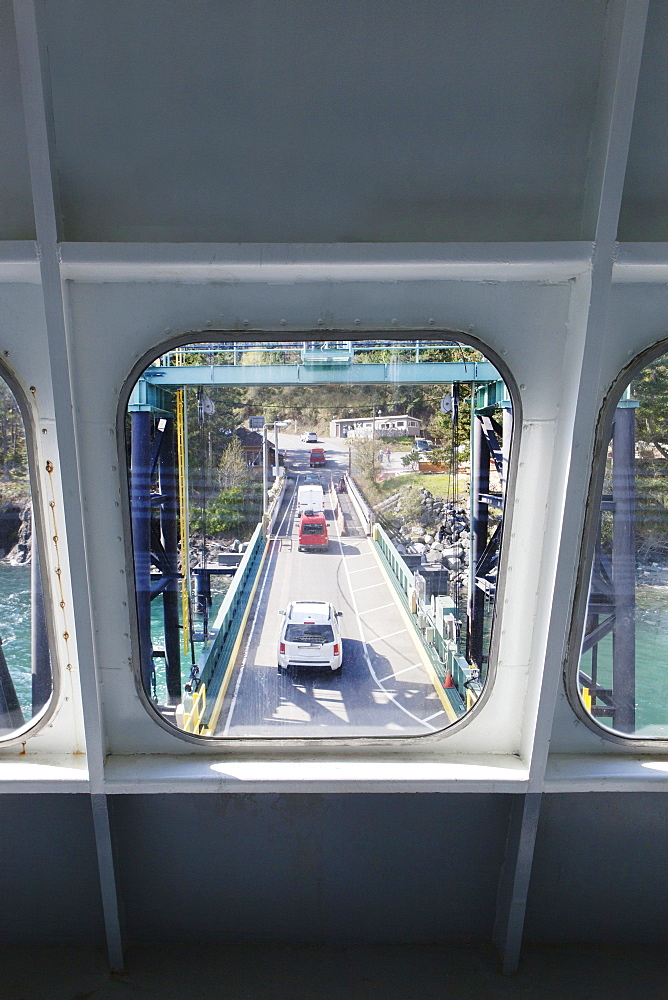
x=15 y=631
x=219 y=587
x=651 y=662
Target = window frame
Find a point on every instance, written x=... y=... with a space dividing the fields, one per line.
x=588 y=543
x=30 y=423
x=295 y=743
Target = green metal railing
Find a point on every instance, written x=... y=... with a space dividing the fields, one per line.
x=215 y=661
x=402 y=573
x=442 y=652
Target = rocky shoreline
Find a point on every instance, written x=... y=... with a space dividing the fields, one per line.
x=16 y=532
x=216 y=549
x=436 y=530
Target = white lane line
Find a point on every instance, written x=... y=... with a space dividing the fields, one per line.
x=441 y=711
x=371 y=587
x=399 y=672
x=365 y=647
x=267 y=564
x=379 y=638
x=382 y=607
x=364 y=570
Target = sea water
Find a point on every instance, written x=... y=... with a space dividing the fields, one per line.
x=651 y=662
x=219 y=586
x=15 y=631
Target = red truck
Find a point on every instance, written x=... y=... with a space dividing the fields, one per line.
x=317 y=457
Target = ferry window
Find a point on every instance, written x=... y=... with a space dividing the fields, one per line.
x=316 y=531
x=25 y=665
x=623 y=675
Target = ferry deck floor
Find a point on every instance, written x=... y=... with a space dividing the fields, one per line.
x=329 y=972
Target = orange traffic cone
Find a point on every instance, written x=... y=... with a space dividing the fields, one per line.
x=448 y=680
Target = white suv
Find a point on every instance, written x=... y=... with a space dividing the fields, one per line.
x=310 y=637
x=310 y=437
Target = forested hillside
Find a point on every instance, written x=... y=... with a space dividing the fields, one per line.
x=13 y=460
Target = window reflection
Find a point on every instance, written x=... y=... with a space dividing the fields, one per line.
x=367 y=477
x=623 y=675
x=25 y=665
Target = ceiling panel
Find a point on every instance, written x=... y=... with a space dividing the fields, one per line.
x=294 y=121
x=644 y=214
x=16 y=213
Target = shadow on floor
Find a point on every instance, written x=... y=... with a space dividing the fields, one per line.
x=331 y=972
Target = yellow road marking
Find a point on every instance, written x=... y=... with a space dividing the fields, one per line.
x=213 y=721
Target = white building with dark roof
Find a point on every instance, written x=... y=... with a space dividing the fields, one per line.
x=367 y=427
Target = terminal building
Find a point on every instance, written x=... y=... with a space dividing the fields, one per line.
x=490 y=175
x=376 y=427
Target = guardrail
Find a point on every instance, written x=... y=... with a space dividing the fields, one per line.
x=192 y=719
x=214 y=663
x=362 y=508
x=455 y=674
x=402 y=573
x=275 y=500
x=336 y=508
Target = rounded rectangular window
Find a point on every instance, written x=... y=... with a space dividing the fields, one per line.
x=623 y=669
x=316 y=530
x=26 y=681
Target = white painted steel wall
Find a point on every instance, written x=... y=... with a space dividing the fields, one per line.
x=536 y=332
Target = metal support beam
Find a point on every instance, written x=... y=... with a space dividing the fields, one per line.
x=515 y=878
x=108 y=881
x=38 y=116
x=599 y=630
x=140 y=501
x=506 y=438
x=401 y=373
x=169 y=538
x=265 y=499
x=626 y=21
x=624 y=568
x=479 y=527
x=491 y=430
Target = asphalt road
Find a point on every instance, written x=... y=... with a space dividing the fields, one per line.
x=383 y=689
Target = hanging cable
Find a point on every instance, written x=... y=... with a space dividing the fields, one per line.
x=201 y=420
x=453 y=493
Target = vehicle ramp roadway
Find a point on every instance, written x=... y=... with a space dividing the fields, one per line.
x=384 y=688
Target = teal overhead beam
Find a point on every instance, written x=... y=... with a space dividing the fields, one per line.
x=359 y=374
x=152 y=397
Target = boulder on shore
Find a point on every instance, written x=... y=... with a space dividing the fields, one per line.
x=16 y=532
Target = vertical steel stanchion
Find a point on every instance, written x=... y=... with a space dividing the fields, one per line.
x=265 y=504
x=140 y=494
x=624 y=569
x=507 y=431
x=169 y=537
x=479 y=527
